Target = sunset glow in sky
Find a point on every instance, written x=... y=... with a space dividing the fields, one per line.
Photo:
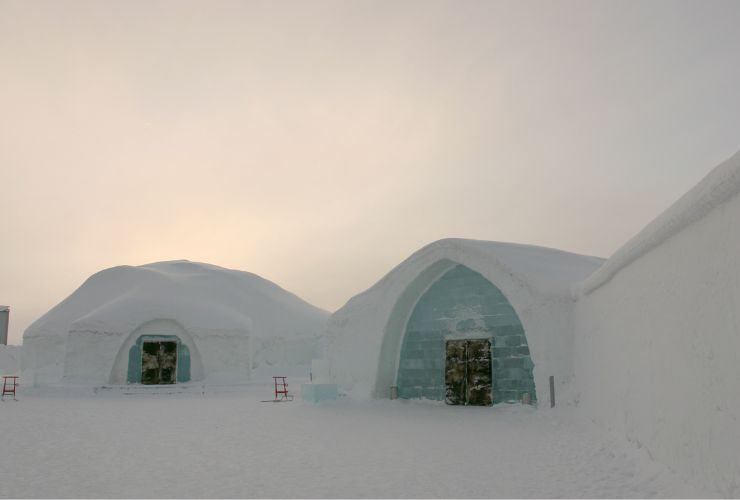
x=319 y=143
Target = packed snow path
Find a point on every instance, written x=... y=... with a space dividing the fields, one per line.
x=231 y=445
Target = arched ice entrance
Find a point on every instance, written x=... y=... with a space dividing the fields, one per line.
x=160 y=351
x=158 y=359
x=464 y=343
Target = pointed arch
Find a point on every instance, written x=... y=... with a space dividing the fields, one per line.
x=450 y=301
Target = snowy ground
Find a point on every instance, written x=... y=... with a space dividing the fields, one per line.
x=229 y=444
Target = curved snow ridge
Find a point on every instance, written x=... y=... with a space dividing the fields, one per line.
x=203 y=297
x=718 y=187
x=547 y=270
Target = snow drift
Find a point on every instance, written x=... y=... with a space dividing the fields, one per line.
x=232 y=321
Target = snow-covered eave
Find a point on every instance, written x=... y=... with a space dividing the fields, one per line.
x=719 y=186
x=471 y=253
x=443 y=250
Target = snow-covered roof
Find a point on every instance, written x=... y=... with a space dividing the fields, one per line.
x=544 y=269
x=718 y=187
x=516 y=269
x=200 y=296
x=540 y=269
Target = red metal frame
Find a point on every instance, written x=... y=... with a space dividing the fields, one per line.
x=10 y=382
x=281 y=388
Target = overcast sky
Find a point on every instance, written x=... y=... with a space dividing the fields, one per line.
x=318 y=144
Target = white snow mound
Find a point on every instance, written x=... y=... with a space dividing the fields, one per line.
x=233 y=322
x=200 y=296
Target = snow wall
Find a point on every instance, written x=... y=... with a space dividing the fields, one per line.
x=366 y=336
x=657 y=342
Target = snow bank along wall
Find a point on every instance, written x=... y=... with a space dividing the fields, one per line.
x=171 y=322
x=657 y=343
x=516 y=297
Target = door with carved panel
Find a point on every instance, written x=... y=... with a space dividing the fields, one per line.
x=158 y=362
x=468 y=375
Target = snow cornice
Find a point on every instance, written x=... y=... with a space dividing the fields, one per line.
x=718 y=187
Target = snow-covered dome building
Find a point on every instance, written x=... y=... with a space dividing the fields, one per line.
x=472 y=322
x=171 y=322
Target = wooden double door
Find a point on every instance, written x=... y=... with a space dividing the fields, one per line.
x=159 y=362
x=468 y=374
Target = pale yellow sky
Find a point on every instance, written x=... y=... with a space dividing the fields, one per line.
x=318 y=144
